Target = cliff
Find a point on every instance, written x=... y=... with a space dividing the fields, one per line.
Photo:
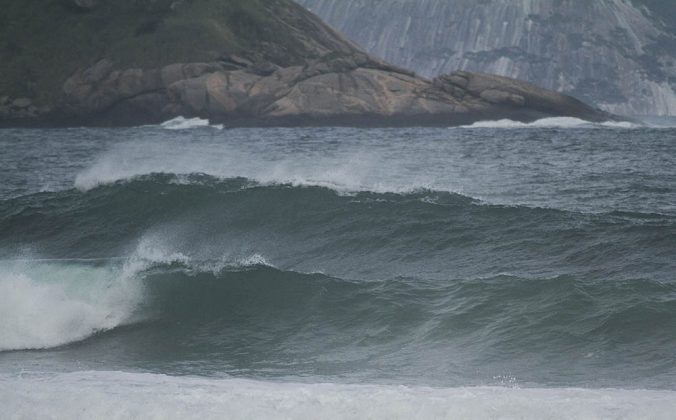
x=616 y=54
x=241 y=62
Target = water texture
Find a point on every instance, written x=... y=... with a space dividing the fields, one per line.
x=530 y=266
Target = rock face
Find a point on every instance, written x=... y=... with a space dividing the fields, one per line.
x=302 y=73
x=617 y=54
x=351 y=90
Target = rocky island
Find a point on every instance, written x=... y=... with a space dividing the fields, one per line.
x=239 y=62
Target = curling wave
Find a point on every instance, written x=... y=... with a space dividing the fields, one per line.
x=231 y=304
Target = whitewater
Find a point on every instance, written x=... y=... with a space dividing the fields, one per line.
x=187 y=270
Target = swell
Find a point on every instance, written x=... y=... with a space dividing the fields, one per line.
x=363 y=235
x=247 y=315
x=519 y=310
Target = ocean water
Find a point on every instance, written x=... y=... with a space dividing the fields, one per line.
x=497 y=271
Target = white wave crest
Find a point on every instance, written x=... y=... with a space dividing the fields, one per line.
x=50 y=304
x=182 y=123
x=157 y=248
x=149 y=396
x=554 y=122
x=345 y=173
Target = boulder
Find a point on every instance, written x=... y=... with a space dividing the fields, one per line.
x=22 y=103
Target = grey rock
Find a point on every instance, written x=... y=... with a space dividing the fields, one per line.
x=4 y=100
x=172 y=74
x=199 y=69
x=22 y=103
x=618 y=54
x=98 y=72
x=85 y=4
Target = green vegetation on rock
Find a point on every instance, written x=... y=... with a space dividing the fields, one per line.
x=43 y=42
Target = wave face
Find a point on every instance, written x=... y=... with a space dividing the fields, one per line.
x=314 y=228
x=216 y=267
x=255 y=320
x=537 y=257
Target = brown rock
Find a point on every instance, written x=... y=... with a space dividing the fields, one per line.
x=322 y=90
x=191 y=93
x=172 y=74
x=199 y=69
x=495 y=96
x=98 y=72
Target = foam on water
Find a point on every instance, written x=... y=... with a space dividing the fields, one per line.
x=135 y=395
x=181 y=123
x=554 y=122
x=49 y=304
x=345 y=173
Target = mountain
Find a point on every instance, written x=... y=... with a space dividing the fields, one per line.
x=617 y=54
x=242 y=62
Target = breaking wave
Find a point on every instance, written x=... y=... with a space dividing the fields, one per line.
x=182 y=123
x=554 y=122
x=50 y=303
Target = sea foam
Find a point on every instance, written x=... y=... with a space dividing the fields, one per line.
x=553 y=122
x=149 y=396
x=49 y=304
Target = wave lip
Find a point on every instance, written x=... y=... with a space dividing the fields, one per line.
x=51 y=303
x=117 y=394
x=182 y=123
x=553 y=122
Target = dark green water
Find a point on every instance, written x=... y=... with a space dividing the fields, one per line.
x=539 y=257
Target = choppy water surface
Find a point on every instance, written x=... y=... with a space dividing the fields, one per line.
x=519 y=270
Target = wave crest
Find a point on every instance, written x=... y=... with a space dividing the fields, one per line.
x=553 y=122
x=52 y=304
x=182 y=123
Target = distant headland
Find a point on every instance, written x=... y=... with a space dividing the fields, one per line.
x=238 y=62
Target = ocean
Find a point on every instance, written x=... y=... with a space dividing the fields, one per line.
x=188 y=270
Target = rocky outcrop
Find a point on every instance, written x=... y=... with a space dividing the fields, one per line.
x=322 y=79
x=617 y=54
x=20 y=109
x=351 y=89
